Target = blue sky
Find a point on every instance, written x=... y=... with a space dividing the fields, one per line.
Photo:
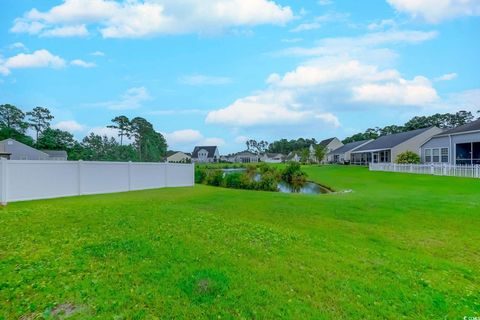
x=221 y=71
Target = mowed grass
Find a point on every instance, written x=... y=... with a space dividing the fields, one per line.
x=398 y=246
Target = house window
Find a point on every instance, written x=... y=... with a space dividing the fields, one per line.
x=464 y=153
x=476 y=153
x=428 y=155
x=444 y=155
x=435 y=155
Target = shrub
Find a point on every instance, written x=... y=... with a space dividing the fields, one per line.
x=214 y=178
x=408 y=157
x=268 y=182
x=200 y=174
x=298 y=180
x=293 y=168
x=234 y=180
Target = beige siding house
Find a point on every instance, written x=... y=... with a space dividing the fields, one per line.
x=178 y=157
x=386 y=148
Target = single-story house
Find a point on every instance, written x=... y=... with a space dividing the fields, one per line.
x=386 y=148
x=243 y=157
x=58 y=155
x=178 y=157
x=205 y=154
x=293 y=156
x=272 y=157
x=329 y=145
x=14 y=150
x=343 y=154
x=460 y=145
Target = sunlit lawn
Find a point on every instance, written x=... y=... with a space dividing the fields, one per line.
x=397 y=246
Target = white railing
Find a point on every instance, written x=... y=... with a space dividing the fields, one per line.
x=469 y=171
x=29 y=180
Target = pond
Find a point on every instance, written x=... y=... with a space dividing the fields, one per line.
x=284 y=187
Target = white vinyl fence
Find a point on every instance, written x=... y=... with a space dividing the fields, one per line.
x=469 y=171
x=28 y=180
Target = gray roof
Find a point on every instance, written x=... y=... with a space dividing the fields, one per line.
x=56 y=153
x=391 y=140
x=325 y=142
x=471 y=126
x=348 y=147
x=210 y=149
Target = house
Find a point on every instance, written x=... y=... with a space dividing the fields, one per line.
x=243 y=157
x=205 y=154
x=57 y=155
x=457 y=146
x=273 y=158
x=178 y=157
x=15 y=150
x=343 y=154
x=293 y=156
x=329 y=145
x=386 y=148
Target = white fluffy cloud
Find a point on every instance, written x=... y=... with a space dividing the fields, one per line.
x=130 y=99
x=70 y=126
x=269 y=107
x=66 y=31
x=187 y=138
x=135 y=18
x=434 y=11
x=447 y=77
x=183 y=136
x=416 y=92
x=38 y=59
x=317 y=89
x=351 y=45
x=82 y=64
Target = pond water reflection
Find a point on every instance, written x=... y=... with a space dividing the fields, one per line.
x=284 y=187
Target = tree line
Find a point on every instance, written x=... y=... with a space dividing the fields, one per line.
x=138 y=140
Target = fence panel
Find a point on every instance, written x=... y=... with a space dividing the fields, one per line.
x=29 y=180
x=468 y=171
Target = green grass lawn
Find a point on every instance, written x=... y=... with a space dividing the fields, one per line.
x=398 y=246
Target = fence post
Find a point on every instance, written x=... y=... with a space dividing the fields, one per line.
x=166 y=174
x=79 y=176
x=193 y=174
x=129 y=175
x=4 y=182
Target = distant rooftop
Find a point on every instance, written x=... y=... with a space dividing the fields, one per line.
x=391 y=140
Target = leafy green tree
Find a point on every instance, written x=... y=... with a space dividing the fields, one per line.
x=123 y=125
x=151 y=145
x=39 y=119
x=55 y=139
x=305 y=155
x=257 y=147
x=12 y=118
x=320 y=152
x=285 y=146
x=408 y=157
x=6 y=133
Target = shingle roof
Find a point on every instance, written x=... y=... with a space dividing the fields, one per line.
x=472 y=126
x=348 y=147
x=325 y=142
x=210 y=149
x=56 y=153
x=391 y=140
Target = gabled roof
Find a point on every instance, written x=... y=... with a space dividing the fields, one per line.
x=5 y=142
x=56 y=153
x=210 y=149
x=471 y=126
x=171 y=153
x=349 y=147
x=391 y=140
x=325 y=142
